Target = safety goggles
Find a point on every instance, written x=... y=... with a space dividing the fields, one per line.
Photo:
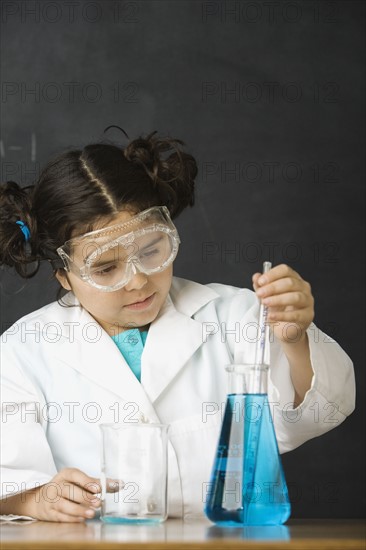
x=108 y=258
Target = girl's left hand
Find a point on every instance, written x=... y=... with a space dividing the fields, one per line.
x=289 y=300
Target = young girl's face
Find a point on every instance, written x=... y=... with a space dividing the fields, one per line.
x=136 y=304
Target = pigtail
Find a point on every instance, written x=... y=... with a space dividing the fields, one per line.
x=18 y=229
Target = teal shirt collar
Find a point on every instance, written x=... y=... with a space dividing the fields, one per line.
x=131 y=344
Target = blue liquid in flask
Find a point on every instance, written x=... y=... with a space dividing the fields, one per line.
x=247 y=485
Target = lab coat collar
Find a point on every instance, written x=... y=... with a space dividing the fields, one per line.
x=94 y=354
x=172 y=339
x=188 y=296
x=174 y=336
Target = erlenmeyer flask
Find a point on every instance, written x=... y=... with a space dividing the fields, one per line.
x=247 y=485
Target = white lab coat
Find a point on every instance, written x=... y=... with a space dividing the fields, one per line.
x=62 y=376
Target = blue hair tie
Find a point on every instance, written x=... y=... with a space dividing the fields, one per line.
x=25 y=230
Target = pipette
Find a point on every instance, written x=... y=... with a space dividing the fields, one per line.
x=252 y=432
x=263 y=326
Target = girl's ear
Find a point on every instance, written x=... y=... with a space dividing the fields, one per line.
x=62 y=278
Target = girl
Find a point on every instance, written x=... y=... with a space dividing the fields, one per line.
x=131 y=341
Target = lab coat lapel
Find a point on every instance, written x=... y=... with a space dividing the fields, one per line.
x=95 y=355
x=174 y=336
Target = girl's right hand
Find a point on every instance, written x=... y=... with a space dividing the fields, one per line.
x=70 y=496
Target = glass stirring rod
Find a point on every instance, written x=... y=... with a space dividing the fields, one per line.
x=263 y=326
x=253 y=429
x=256 y=382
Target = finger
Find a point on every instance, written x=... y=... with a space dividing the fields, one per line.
x=114 y=485
x=80 y=495
x=278 y=272
x=296 y=299
x=70 y=508
x=255 y=278
x=64 y=518
x=77 y=477
x=299 y=316
x=281 y=286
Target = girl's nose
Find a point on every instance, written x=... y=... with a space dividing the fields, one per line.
x=138 y=280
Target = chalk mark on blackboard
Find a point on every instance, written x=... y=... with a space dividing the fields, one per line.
x=20 y=148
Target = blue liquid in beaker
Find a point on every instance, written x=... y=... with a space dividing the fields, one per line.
x=247 y=484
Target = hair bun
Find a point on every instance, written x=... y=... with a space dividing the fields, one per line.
x=183 y=165
x=142 y=151
x=170 y=169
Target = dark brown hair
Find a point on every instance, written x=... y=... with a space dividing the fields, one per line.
x=78 y=187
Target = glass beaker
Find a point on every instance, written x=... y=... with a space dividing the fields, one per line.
x=134 y=473
x=247 y=485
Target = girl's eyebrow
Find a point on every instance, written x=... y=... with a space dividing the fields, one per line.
x=154 y=241
x=111 y=260
x=104 y=263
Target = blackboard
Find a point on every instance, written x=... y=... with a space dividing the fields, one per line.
x=269 y=97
